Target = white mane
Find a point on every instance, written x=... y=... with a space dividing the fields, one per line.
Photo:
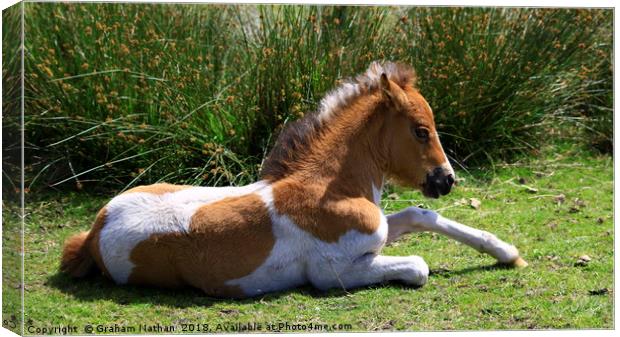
x=362 y=83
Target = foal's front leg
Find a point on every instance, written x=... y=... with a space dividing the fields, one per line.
x=414 y=219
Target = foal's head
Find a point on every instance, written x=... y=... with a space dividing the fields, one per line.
x=414 y=154
x=408 y=149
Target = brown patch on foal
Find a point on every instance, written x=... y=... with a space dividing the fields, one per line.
x=329 y=192
x=323 y=213
x=227 y=240
x=160 y=188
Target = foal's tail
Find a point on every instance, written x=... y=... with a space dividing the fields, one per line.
x=77 y=260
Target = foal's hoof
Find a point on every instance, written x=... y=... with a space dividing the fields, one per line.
x=519 y=263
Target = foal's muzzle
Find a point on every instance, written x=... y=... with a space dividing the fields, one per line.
x=438 y=183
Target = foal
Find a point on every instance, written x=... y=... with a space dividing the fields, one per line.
x=313 y=218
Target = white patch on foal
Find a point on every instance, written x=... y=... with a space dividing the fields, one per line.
x=298 y=257
x=133 y=217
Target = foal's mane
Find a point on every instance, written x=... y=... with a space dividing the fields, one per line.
x=296 y=138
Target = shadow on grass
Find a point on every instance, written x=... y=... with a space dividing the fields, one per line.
x=446 y=273
x=97 y=287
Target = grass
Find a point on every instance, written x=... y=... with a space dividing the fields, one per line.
x=196 y=93
x=465 y=290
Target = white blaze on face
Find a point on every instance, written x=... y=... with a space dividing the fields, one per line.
x=446 y=164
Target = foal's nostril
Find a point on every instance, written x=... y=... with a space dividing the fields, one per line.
x=450 y=180
x=438 y=183
x=446 y=186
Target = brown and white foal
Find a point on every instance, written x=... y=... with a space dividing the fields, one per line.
x=313 y=218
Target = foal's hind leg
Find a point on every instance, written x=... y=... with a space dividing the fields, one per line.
x=369 y=269
x=414 y=219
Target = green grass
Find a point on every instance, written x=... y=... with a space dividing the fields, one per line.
x=465 y=290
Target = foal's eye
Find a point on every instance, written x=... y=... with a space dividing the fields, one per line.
x=421 y=133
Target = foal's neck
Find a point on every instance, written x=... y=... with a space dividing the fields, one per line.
x=349 y=156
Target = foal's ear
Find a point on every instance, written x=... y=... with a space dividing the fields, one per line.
x=393 y=92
